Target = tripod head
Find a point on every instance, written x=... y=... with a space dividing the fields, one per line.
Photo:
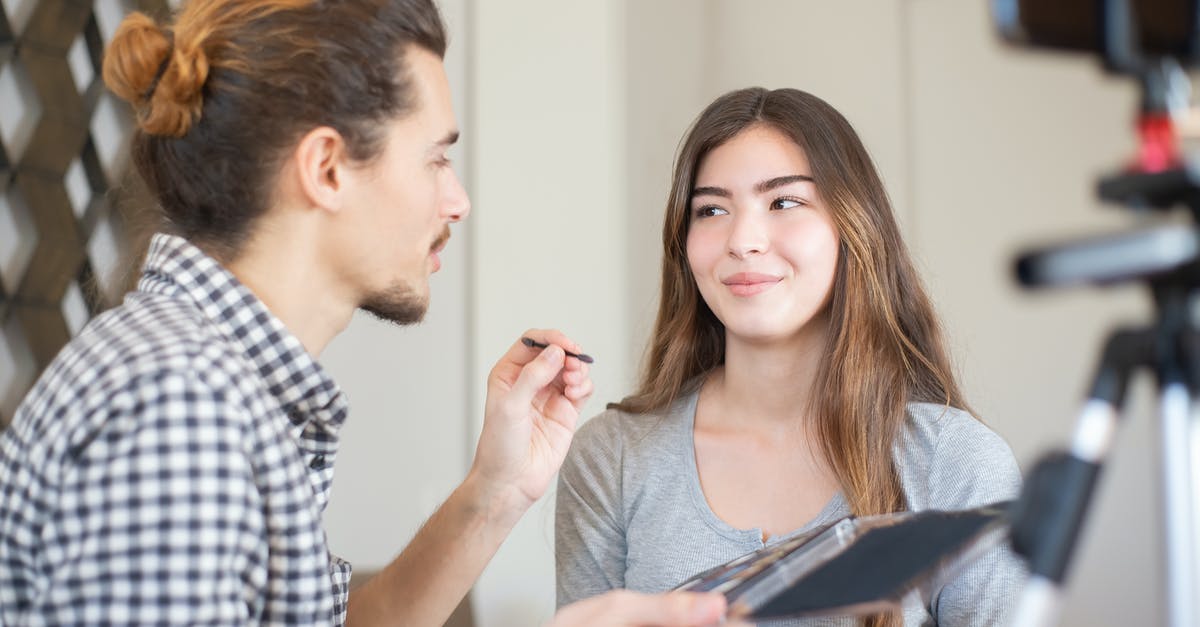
x=1151 y=41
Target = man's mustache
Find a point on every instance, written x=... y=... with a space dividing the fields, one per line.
x=441 y=239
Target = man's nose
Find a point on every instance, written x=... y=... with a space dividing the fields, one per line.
x=456 y=204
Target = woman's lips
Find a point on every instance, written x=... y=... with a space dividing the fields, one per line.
x=750 y=283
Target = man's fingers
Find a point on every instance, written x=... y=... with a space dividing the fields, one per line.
x=536 y=375
x=679 y=609
x=579 y=393
x=623 y=608
x=561 y=411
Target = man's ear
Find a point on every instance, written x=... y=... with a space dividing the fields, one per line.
x=321 y=167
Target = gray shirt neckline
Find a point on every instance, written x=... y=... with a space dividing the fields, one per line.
x=834 y=509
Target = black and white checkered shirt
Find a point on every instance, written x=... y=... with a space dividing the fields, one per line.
x=172 y=465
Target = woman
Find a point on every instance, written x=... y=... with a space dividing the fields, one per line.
x=797 y=374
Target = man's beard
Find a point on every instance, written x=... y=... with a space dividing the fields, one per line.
x=398 y=304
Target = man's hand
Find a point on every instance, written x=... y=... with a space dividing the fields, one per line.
x=533 y=402
x=622 y=608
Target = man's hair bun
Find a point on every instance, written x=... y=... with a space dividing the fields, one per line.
x=162 y=78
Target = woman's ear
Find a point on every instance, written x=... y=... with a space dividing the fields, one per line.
x=320 y=166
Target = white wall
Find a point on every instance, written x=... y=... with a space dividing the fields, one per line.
x=407 y=442
x=572 y=113
x=550 y=217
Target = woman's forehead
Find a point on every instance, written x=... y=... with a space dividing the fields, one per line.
x=756 y=154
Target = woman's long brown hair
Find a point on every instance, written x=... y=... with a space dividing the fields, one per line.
x=885 y=346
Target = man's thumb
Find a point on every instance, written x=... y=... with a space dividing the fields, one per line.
x=537 y=374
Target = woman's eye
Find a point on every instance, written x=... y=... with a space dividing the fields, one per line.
x=708 y=211
x=785 y=203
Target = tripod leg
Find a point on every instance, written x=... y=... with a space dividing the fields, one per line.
x=1051 y=512
x=1048 y=517
x=1181 y=450
x=1040 y=604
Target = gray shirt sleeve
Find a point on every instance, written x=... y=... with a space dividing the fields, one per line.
x=590 y=549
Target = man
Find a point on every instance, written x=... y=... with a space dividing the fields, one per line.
x=172 y=463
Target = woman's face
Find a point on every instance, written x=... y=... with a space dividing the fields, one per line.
x=761 y=243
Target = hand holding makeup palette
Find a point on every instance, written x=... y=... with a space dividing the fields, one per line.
x=855 y=566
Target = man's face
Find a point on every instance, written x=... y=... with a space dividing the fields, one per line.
x=402 y=203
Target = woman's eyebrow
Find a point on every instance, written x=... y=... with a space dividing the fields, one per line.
x=780 y=181
x=760 y=187
x=711 y=191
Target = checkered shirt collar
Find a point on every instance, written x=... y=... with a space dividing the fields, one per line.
x=304 y=389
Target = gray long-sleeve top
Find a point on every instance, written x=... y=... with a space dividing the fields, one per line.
x=631 y=512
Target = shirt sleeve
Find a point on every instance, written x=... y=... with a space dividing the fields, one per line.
x=589 y=535
x=973 y=466
x=158 y=519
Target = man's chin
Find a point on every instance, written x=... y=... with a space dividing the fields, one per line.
x=401 y=309
x=402 y=317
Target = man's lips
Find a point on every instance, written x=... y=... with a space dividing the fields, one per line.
x=437 y=247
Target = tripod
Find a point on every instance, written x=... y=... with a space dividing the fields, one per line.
x=1049 y=515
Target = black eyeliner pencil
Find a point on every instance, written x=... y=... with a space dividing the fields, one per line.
x=532 y=343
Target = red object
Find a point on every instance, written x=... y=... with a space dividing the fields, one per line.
x=1157 y=150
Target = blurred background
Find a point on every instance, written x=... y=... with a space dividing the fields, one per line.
x=571 y=113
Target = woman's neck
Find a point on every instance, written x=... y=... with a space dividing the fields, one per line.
x=753 y=425
x=767 y=383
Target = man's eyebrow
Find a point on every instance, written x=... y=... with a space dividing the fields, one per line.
x=780 y=181
x=448 y=140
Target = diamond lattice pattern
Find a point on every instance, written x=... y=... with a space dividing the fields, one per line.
x=66 y=196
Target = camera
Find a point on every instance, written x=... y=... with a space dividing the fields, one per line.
x=1121 y=31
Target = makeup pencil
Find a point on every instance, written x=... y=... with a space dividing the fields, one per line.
x=532 y=343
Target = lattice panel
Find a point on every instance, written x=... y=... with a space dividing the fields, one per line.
x=68 y=204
